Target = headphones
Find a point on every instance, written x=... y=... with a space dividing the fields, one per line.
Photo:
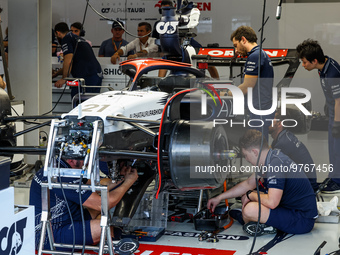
x=79 y=26
x=82 y=31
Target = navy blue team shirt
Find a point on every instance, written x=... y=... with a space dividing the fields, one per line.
x=290 y=145
x=330 y=83
x=297 y=191
x=85 y=63
x=266 y=77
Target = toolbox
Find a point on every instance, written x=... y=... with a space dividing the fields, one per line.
x=208 y=221
x=147 y=234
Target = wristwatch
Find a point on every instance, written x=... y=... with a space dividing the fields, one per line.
x=247 y=194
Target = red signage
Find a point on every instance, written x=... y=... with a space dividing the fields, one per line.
x=149 y=249
x=229 y=52
x=202 y=6
x=72 y=83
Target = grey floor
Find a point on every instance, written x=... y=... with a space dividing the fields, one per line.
x=316 y=142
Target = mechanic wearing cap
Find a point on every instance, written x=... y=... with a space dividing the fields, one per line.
x=84 y=63
x=112 y=45
x=244 y=40
x=290 y=145
x=61 y=222
x=312 y=57
x=287 y=199
x=142 y=45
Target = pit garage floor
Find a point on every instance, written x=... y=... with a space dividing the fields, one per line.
x=181 y=238
x=231 y=241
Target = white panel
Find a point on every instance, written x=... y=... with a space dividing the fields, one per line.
x=18 y=108
x=4 y=15
x=27 y=61
x=22 y=220
x=318 y=21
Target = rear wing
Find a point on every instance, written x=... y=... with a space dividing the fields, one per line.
x=225 y=57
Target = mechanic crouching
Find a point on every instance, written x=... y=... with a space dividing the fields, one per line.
x=287 y=199
x=60 y=217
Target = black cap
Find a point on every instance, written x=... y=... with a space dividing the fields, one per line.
x=167 y=2
x=117 y=24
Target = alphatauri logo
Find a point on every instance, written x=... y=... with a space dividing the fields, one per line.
x=12 y=238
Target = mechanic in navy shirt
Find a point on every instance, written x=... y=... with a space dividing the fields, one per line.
x=312 y=57
x=245 y=42
x=60 y=218
x=288 y=202
x=84 y=64
x=290 y=145
x=112 y=45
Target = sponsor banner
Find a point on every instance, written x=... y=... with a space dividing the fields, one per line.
x=149 y=249
x=146 y=113
x=229 y=52
x=16 y=229
x=194 y=234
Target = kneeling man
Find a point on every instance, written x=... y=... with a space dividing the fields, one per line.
x=287 y=199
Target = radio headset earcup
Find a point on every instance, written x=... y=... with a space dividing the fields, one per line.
x=82 y=33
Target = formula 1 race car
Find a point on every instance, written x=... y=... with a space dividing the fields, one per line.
x=156 y=123
x=167 y=127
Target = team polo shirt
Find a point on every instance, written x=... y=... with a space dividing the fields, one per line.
x=85 y=63
x=290 y=145
x=297 y=191
x=59 y=212
x=330 y=83
x=107 y=48
x=266 y=77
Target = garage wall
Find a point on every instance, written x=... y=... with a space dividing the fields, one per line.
x=218 y=18
x=4 y=15
x=319 y=21
x=29 y=58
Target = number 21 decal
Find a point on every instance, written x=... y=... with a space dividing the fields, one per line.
x=94 y=108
